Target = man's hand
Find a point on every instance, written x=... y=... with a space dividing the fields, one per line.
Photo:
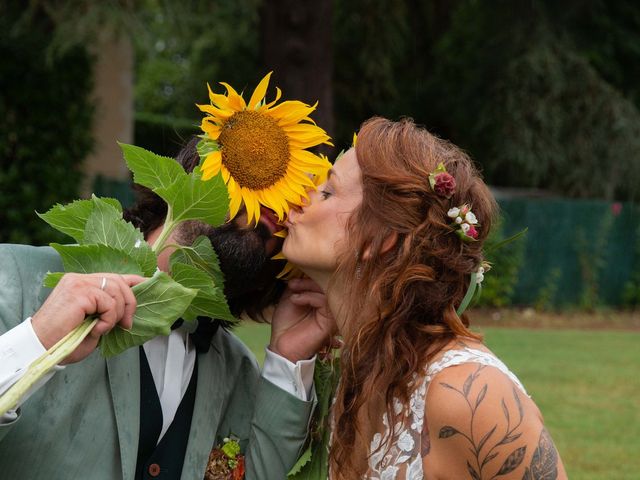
x=107 y=295
x=302 y=323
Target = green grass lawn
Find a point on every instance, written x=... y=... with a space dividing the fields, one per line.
x=586 y=383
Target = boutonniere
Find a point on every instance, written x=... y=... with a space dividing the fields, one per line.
x=225 y=462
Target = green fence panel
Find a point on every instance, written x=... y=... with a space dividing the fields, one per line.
x=582 y=251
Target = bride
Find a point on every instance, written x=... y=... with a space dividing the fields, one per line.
x=394 y=239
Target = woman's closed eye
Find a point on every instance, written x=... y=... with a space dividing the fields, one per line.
x=325 y=194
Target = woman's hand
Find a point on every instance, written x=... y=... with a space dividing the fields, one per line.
x=76 y=296
x=302 y=323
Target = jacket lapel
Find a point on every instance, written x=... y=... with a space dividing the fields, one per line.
x=207 y=409
x=124 y=380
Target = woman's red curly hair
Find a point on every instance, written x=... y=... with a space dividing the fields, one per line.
x=413 y=288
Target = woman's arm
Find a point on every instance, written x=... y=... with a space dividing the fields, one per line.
x=479 y=425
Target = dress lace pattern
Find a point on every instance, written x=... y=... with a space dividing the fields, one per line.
x=403 y=460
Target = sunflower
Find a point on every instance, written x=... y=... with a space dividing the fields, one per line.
x=261 y=149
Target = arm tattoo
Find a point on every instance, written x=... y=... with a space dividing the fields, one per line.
x=514 y=459
x=544 y=464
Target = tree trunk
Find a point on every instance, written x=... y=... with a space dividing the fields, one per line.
x=297 y=46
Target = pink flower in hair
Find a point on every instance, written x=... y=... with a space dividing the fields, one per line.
x=445 y=185
x=464 y=223
x=442 y=183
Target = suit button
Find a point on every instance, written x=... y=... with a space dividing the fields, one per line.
x=154 y=469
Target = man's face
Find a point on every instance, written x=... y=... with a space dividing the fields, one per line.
x=245 y=256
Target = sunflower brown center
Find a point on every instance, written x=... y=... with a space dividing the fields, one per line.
x=255 y=149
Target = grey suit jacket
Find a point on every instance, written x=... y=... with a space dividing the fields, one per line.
x=84 y=423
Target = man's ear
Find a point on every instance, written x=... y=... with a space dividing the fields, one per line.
x=388 y=243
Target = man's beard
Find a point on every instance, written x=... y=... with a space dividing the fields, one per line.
x=249 y=273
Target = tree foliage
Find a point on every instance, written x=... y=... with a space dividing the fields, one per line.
x=45 y=124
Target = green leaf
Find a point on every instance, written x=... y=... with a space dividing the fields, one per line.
x=151 y=170
x=96 y=258
x=106 y=226
x=201 y=255
x=191 y=198
x=302 y=461
x=161 y=301
x=495 y=246
x=187 y=195
x=209 y=301
x=51 y=279
x=70 y=219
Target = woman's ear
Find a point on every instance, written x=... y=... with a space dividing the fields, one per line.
x=387 y=244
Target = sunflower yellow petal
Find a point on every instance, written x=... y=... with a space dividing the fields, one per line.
x=308 y=160
x=279 y=256
x=211 y=165
x=235 y=200
x=290 y=107
x=259 y=92
x=249 y=203
x=269 y=200
x=211 y=129
x=216 y=112
x=220 y=101
x=236 y=102
x=267 y=106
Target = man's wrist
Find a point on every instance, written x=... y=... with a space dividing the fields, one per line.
x=294 y=378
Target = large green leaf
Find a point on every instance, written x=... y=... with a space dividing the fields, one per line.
x=161 y=301
x=191 y=198
x=187 y=195
x=201 y=255
x=106 y=226
x=151 y=170
x=210 y=300
x=70 y=219
x=95 y=259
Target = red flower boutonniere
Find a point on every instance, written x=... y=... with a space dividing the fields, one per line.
x=225 y=462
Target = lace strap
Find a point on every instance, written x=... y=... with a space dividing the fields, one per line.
x=470 y=355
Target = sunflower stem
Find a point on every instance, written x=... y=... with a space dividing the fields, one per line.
x=44 y=363
x=167 y=230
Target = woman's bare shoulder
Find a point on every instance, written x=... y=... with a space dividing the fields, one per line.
x=480 y=424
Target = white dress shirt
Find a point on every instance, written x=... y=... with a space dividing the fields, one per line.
x=171 y=360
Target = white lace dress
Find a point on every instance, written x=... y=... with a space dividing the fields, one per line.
x=403 y=461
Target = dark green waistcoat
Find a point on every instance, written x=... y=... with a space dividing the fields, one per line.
x=164 y=460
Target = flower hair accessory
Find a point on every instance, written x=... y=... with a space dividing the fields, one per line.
x=475 y=287
x=442 y=182
x=465 y=223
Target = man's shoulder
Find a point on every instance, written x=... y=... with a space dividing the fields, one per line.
x=28 y=254
x=22 y=269
x=234 y=350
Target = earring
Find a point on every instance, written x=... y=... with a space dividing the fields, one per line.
x=358 y=267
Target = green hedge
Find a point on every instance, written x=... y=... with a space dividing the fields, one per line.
x=45 y=126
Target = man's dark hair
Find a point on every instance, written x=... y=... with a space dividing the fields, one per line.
x=250 y=283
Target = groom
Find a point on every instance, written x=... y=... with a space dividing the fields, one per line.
x=156 y=411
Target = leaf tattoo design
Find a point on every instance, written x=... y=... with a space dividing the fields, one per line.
x=543 y=458
x=544 y=464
